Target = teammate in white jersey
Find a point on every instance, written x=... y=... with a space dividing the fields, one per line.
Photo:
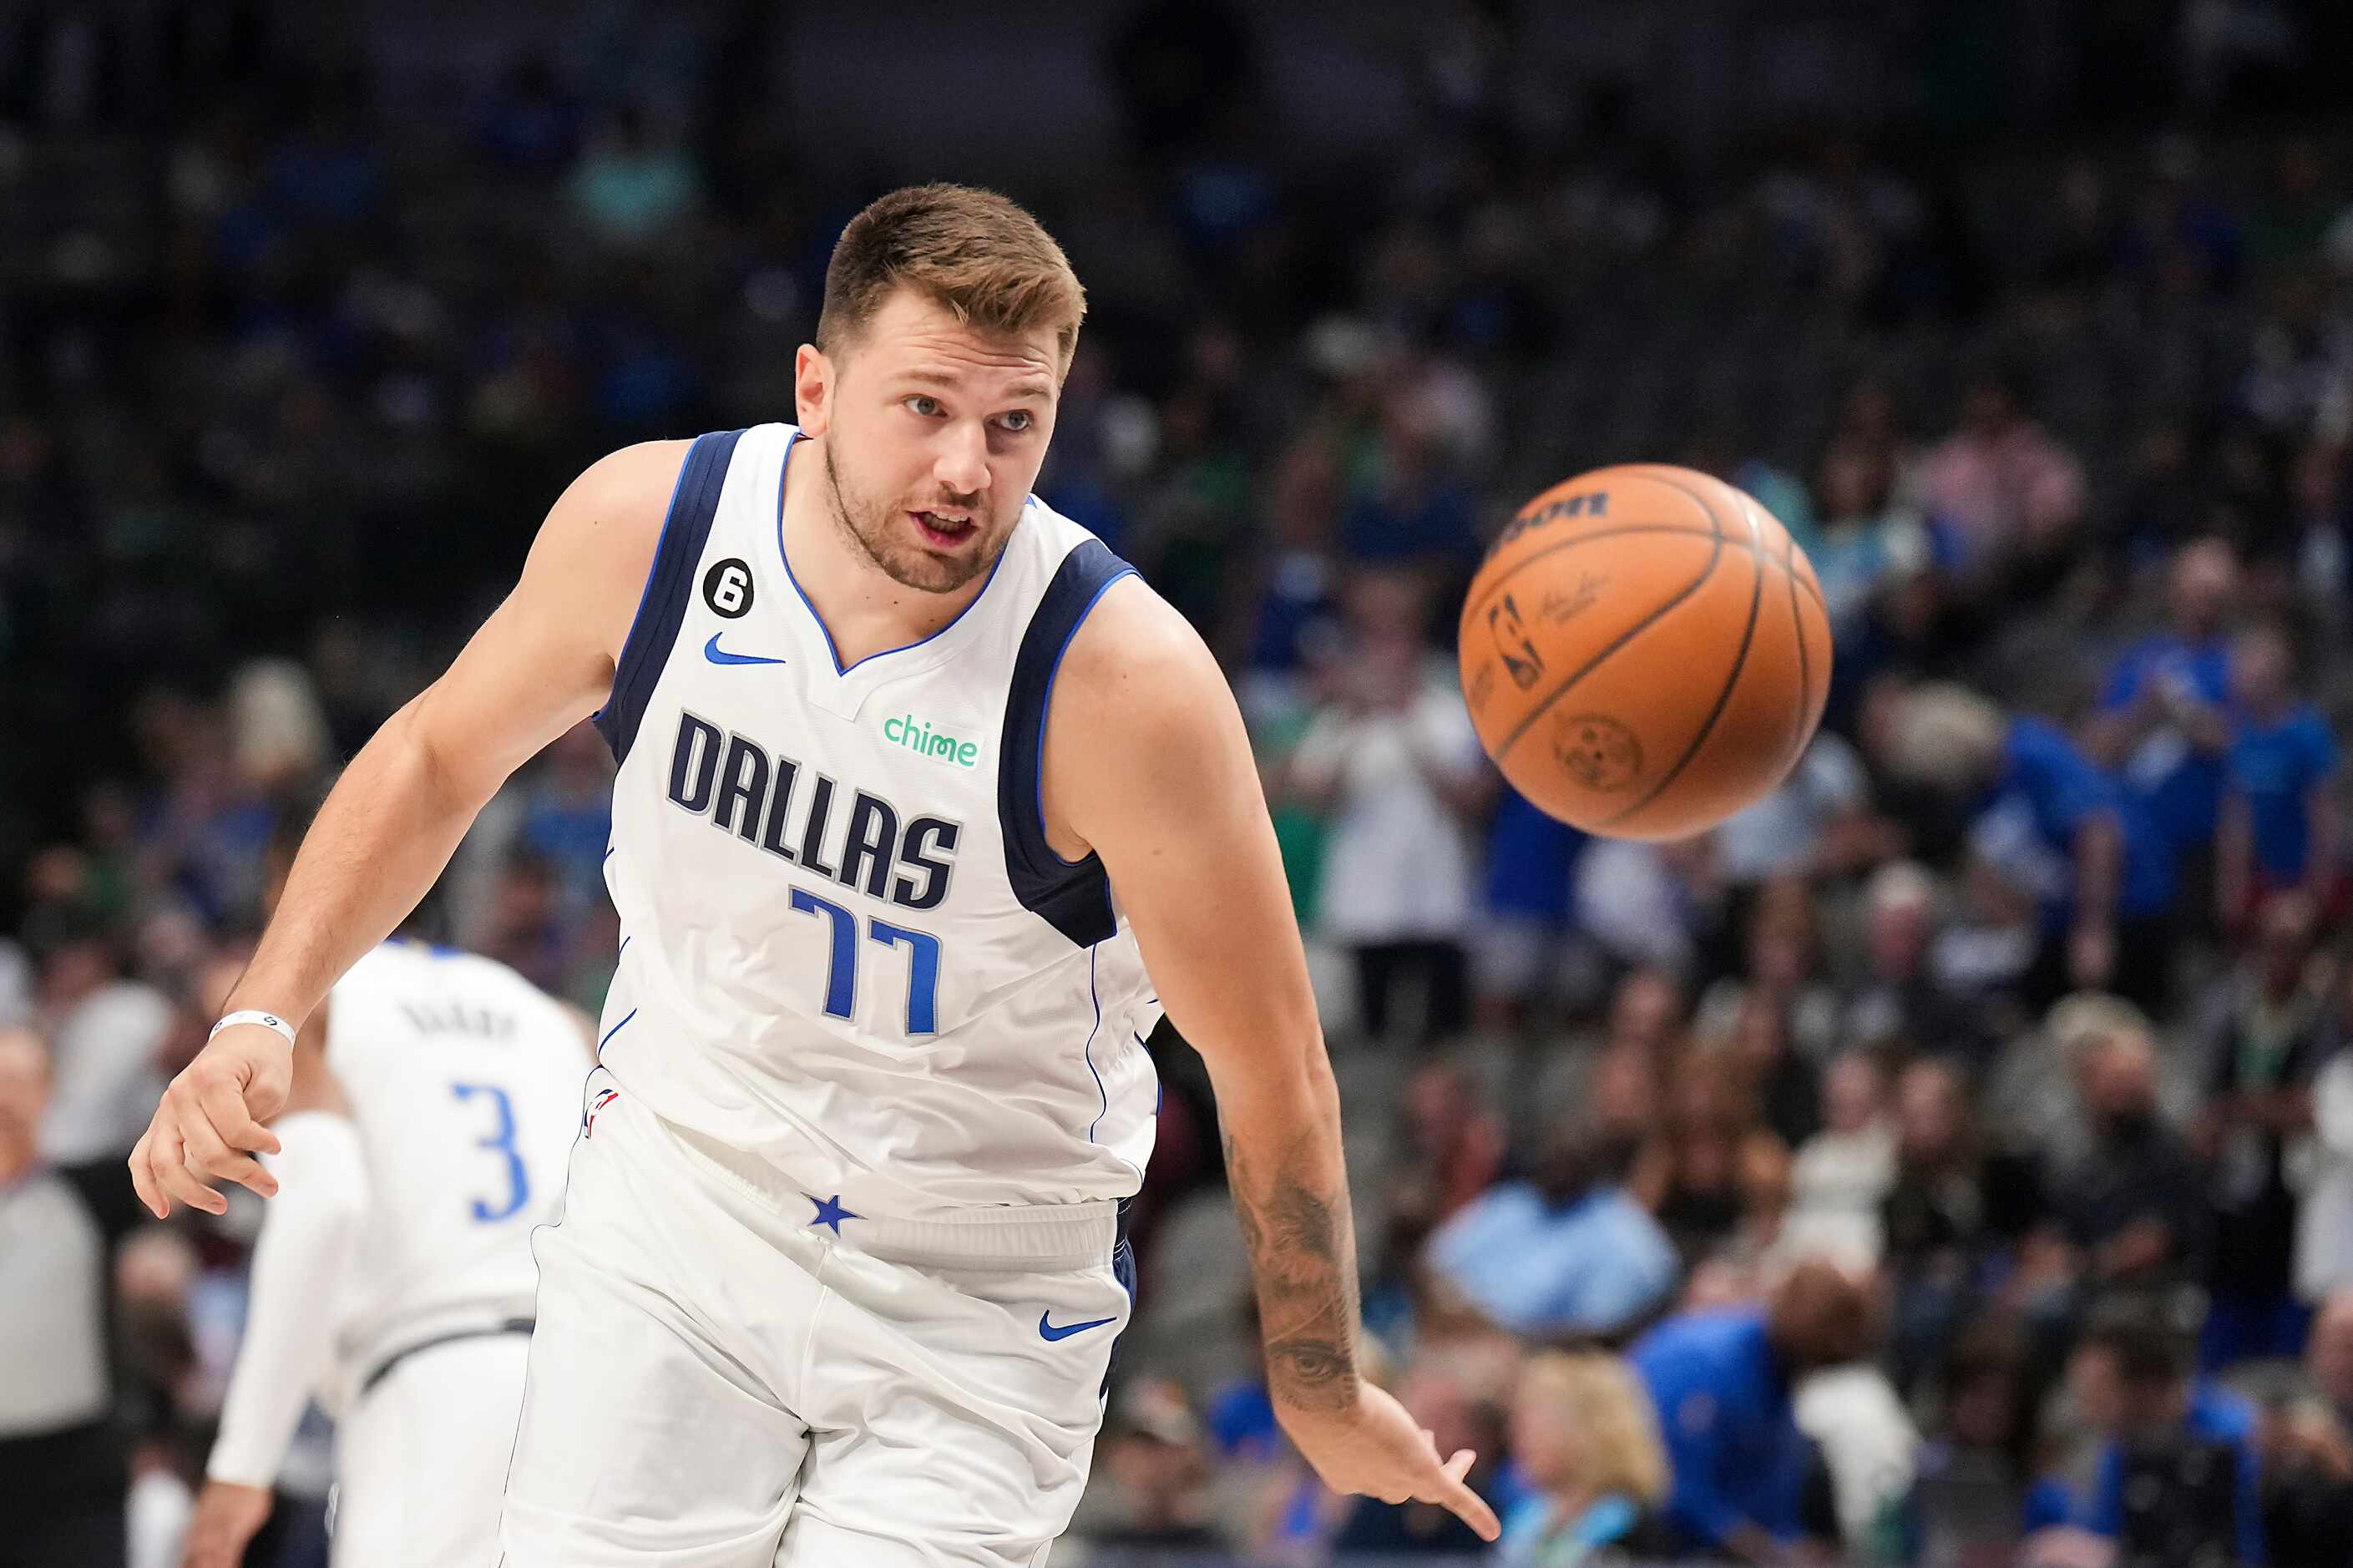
x=432 y=1103
x=926 y=808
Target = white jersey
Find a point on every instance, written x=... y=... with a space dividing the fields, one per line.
x=848 y=949
x=464 y=1083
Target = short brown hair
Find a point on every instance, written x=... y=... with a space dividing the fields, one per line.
x=980 y=255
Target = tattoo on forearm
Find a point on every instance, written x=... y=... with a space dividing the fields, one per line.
x=1303 y=1257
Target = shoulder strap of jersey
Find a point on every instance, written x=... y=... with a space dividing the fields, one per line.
x=662 y=607
x=1072 y=896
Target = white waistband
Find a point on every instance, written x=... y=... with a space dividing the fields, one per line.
x=1044 y=1238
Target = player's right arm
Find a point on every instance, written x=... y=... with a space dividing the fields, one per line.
x=542 y=662
x=305 y=1243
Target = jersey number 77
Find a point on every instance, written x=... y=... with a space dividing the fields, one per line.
x=841 y=975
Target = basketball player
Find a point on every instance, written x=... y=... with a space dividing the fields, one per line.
x=926 y=808
x=431 y=1103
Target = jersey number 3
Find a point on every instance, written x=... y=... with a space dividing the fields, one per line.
x=841 y=975
x=499 y=1142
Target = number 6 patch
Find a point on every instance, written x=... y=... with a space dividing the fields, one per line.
x=727 y=588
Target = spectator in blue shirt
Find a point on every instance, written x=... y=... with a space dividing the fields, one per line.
x=1529 y=860
x=2102 y=870
x=2280 y=826
x=1721 y=1383
x=1564 y=1255
x=2163 y=724
x=2176 y=1480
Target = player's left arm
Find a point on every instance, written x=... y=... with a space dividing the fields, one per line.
x=1147 y=763
x=307 y=1236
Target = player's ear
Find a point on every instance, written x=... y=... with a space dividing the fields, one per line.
x=813 y=385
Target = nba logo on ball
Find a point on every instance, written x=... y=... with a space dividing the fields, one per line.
x=1691 y=674
x=1519 y=655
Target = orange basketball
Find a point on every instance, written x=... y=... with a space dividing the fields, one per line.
x=1645 y=651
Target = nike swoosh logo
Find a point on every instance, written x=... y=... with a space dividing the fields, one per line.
x=712 y=651
x=1047 y=1331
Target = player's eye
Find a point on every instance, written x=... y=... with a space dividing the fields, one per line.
x=919 y=403
x=1018 y=420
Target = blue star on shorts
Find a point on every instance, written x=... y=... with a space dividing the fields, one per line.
x=829 y=1212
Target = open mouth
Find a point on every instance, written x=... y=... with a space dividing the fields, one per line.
x=946 y=530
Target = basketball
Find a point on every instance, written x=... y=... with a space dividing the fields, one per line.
x=1645 y=651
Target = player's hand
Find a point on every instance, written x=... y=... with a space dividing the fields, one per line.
x=209 y=1126
x=226 y=1518
x=1376 y=1449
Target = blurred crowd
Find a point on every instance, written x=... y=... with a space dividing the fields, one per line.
x=1951 y=1152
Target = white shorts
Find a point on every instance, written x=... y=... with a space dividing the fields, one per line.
x=720 y=1380
x=419 y=1457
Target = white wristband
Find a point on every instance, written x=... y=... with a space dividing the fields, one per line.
x=267 y=1020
